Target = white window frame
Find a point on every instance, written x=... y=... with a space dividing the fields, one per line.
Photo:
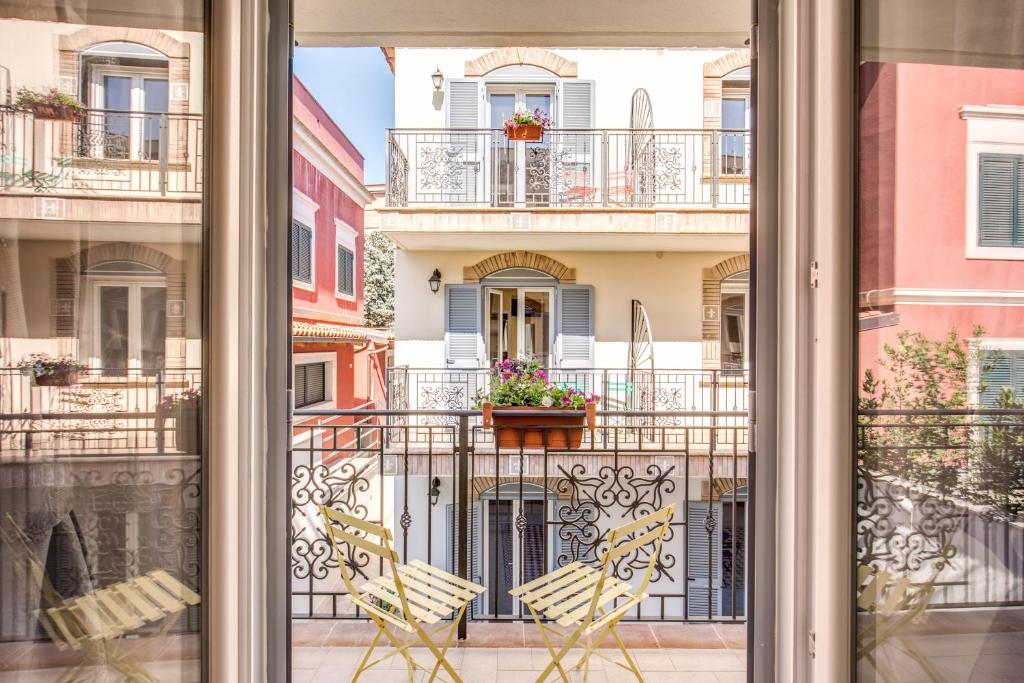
x=733 y=288
x=134 y=284
x=991 y=129
x=346 y=236
x=98 y=95
x=519 y=87
x=976 y=346
x=330 y=360
x=304 y=211
x=520 y=328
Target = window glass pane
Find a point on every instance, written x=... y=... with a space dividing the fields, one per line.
x=101 y=322
x=502 y=107
x=536 y=321
x=940 y=431
x=154 y=328
x=114 y=329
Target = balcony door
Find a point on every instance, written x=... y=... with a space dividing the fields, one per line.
x=520 y=323
x=132 y=103
x=519 y=170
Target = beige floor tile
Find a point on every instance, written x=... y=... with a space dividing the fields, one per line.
x=706 y=660
x=516 y=659
x=652 y=660
x=308 y=657
x=731 y=676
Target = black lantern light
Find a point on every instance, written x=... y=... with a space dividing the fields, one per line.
x=435 y=281
x=435 y=490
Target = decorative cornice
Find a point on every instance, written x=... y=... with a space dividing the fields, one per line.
x=942 y=297
x=307 y=144
x=992 y=111
x=519 y=259
x=515 y=56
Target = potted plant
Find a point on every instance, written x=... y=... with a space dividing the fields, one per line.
x=51 y=371
x=527 y=125
x=186 y=411
x=53 y=104
x=521 y=385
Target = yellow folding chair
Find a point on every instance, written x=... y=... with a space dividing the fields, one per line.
x=412 y=596
x=589 y=602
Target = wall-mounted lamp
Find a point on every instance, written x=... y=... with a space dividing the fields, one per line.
x=435 y=281
x=438 y=78
x=435 y=490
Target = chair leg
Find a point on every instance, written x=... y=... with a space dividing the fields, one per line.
x=438 y=655
x=556 y=658
x=622 y=646
x=447 y=643
x=366 y=657
x=547 y=643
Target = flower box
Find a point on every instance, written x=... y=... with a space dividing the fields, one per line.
x=61 y=377
x=514 y=430
x=187 y=428
x=55 y=112
x=527 y=132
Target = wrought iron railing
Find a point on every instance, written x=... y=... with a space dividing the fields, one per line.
x=569 y=168
x=100 y=412
x=102 y=152
x=501 y=516
x=940 y=500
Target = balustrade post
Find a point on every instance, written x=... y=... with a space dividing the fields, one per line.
x=462 y=501
x=164 y=151
x=158 y=420
x=605 y=174
x=716 y=163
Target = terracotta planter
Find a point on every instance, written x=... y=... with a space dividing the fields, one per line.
x=526 y=132
x=514 y=430
x=55 y=112
x=61 y=378
x=187 y=429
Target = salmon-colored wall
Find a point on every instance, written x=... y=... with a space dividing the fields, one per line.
x=913 y=198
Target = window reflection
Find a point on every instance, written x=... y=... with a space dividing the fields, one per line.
x=100 y=345
x=940 y=430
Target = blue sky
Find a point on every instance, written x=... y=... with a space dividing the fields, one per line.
x=357 y=89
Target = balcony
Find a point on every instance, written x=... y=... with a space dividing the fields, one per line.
x=569 y=169
x=103 y=153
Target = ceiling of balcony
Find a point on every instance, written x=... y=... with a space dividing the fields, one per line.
x=541 y=23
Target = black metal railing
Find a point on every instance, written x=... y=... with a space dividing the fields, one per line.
x=103 y=152
x=940 y=500
x=610 y=168
x=502 y=515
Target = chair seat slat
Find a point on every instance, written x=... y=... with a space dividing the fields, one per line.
x=418 y=599
x=450 y=578
x=544 y=590
x=577 y=615
x=175 y=587
x=584 y=598
x=633 y=601
x=392 y=619
x=417 y=583
x=391 y=597
x=158 y=595
x=146 y=609
x=543 y=580
x=108 y=599
x=580 y=585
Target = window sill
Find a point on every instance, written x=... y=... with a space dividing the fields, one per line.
x=299 y=284
x=996 y=253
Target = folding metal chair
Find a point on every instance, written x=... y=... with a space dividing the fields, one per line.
x=589 y=601
x=413 y=595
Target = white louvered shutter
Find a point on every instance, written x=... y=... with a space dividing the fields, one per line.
x=462 y=110
x=452 y=550
x=1001 y=200
x=1001 y=370
x=699 y=552
x=576 y=326
x=577 y=98
x=463 y=337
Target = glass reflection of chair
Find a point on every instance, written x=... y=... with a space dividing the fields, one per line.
x=590 y=602
x=94 y=623
x=414 y=596
x=894 y=601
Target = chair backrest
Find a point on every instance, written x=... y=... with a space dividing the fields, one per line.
x=343 y=531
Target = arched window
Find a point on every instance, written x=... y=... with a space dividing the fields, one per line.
x=735 y=291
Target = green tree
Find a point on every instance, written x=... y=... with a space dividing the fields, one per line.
x=379 y=283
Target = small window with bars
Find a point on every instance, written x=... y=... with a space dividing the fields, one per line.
x=310 y=384
x=1001 y=200
x=346 y=271
x=302 y=253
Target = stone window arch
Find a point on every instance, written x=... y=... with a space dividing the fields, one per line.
x=711 y=318
x=519 y=56
x=519 y=259
x=71 y=46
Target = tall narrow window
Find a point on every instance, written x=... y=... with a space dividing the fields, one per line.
x=1001 y=200
x=346 y=271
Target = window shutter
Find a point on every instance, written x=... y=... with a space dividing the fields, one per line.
x=299 y=390
x=700 y=551
x=576 y=326
x=346 y=271
x=310 y=384
x=1001 y=369
x=577 y=113
x=452 y=550
x=1001 y=200
x=462 y=110
x=302 y=253
x=463 y=339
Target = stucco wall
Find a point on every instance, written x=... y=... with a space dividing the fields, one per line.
x=668 y=283
x=673 y=78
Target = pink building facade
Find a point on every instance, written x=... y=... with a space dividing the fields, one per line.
x=941 y=232
x=337 y=362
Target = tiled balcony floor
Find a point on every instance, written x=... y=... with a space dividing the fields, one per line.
x=696 y=653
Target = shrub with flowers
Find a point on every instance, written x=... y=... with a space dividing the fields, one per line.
x=186 y=400
x=522 y=382
x=524 y=117
x=42 y=365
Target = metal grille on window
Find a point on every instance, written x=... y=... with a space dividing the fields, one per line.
x=346 y=271
x=310 y=384
x=302 y=253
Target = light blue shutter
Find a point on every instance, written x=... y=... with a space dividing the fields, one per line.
x=576 y=326
x=577 y=113
x=452 y=550
x=702 y=602
x=1001 y=370
x=462 y=110
x=463 y=336
x=1001 y=200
